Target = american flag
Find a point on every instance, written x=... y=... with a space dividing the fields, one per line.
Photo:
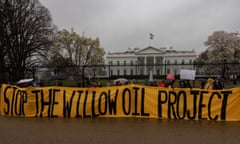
x=151 y=35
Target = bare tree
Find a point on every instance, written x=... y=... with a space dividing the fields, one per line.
x=222 y=48
x=27 y=32
x=72 y=50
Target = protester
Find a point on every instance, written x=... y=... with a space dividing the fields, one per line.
x=36 y=83
x=58 y=83
x=181 y=84
x=118 y=83
x=209 y=84
x=187 y=84
x=184 y=84
x=169 y=83
x=162 y=83
x=133 y=81
x=217 y=85
x=202 y=83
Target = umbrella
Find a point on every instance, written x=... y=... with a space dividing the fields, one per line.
x=120 y=80
x=24 y=81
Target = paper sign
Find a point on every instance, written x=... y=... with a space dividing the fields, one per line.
x=187 y=74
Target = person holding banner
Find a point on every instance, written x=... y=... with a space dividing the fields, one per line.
x=209 y=84
x=184 y=84
x=162 y=83
x=217 y=85
x=169 y=83
x=181 y=84
x=202 y=83
x=170 y=80
x=187 y=84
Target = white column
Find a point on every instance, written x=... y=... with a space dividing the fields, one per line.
x=145 y=65
x=154 y=67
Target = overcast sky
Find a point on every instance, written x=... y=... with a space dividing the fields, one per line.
x=123 y=24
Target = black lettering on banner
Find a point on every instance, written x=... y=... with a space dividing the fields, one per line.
x=50 y=103
x=67 y=106
x=184 y=96
x=135 y=91
x=6 y=100
x=78 y=115
x=46 y=103
x=179 y=105
x=195 y=94
x=23 y=99
x=201 y=105
x=112 y=102
x=102 y=101
x=93 y=104
x=161 y=101
x=224 y=104
x=18 y=99
x=37 y=93
x=142 y=104
x=210 y=104
x=54 y=102
x=171 y=102
x=13 y=98
x=126 y=94
x=85 y=105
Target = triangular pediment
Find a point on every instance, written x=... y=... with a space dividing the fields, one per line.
x=150 y=50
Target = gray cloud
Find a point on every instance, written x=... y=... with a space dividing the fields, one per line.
x=183 y=24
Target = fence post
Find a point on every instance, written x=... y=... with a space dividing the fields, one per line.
x=33 y=72
x=224 y=68
x=83 y=76
x=109 y=73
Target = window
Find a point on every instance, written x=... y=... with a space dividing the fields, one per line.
x=168 y=70
x=131 y=62
x=141 y=60
x=158 y=72
x=124 y=62
x=118 y=72
x=183 y=61
x=118 y=63
x=131 y=72
x=111 y=73
x=175 y=61
x=190 y=61
x=150 y=60
x=110 y=62
x=159 y=60
x=125 y=72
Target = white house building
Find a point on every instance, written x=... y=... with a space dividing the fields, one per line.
x=158 y=61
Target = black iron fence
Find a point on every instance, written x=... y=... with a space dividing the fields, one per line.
x=80 y=74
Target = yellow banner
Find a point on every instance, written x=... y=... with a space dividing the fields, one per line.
x=121 y=101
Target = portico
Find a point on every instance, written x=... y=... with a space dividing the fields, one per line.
x=148 y=59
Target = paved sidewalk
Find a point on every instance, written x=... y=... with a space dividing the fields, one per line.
x=116 y=131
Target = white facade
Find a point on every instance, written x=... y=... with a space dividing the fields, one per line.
x=159 y=61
